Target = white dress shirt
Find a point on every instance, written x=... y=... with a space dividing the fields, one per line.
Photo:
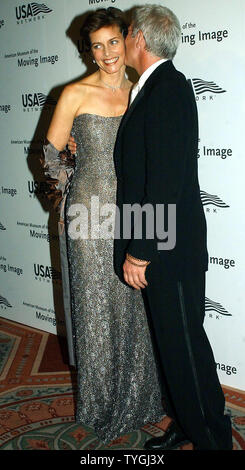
x=137 y=87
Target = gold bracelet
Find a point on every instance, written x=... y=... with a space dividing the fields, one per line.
x=139 y=265
x=130 y=257
x=136 y=259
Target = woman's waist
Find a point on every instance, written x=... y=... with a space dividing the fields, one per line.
x=83 y=192
x=94 y=177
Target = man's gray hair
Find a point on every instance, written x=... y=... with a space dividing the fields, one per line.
x=160 y=27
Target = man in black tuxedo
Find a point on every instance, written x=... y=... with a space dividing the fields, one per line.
x=156 y=164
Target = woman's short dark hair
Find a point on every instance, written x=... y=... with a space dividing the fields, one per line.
x=100 y=18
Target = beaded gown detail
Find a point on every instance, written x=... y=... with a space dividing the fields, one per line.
x=117 y=383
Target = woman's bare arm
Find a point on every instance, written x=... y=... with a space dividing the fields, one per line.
x=62 y=120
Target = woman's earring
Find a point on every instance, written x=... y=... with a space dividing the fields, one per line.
x=94 y=61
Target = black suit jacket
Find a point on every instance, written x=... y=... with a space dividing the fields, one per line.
x=156 y=162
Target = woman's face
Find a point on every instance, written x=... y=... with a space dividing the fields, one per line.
x=108 y=48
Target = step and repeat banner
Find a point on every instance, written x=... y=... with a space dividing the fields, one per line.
x=40 y=52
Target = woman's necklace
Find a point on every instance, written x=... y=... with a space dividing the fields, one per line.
x=113 y=88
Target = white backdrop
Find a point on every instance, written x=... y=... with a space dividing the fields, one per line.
x=40 y=51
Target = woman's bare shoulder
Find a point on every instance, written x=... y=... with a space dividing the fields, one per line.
x=78 y=89
x=72 y=90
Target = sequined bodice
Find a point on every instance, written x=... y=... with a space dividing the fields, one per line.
x=95 y=137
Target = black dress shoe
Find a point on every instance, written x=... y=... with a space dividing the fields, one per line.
x=172 y=439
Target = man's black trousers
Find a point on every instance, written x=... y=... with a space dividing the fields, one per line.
x=187 y=369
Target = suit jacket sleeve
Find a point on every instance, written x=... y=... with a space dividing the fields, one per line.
x=169 y=112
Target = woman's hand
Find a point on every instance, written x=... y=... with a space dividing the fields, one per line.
x=72 y=146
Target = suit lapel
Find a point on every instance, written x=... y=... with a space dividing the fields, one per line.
x=130 y=110
x=158 y=72
x=165 y=67
x=117 y=156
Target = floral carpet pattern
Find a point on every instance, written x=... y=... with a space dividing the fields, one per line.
x=37 y=398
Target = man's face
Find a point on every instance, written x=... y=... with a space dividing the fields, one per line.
x=131 y=51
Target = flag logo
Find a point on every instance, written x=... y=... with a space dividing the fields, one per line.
x=202 y=86
x=210 y=199
x=210 y=305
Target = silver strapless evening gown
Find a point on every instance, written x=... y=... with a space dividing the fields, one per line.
x=117 y=384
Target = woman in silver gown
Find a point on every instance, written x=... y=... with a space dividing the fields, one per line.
x=117 y=383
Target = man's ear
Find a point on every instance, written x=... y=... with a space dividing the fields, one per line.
x=140 y=40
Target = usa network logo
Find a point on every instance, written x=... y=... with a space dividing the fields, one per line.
x=217 y=308
x=31 y=12
x=38 y=188
x=37 y=101
x=2 y=226
x=205 y=90
x=4 y=303
x=46 y=273
x=212 y=200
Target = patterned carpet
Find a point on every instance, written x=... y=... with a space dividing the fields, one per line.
x=37 y=398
